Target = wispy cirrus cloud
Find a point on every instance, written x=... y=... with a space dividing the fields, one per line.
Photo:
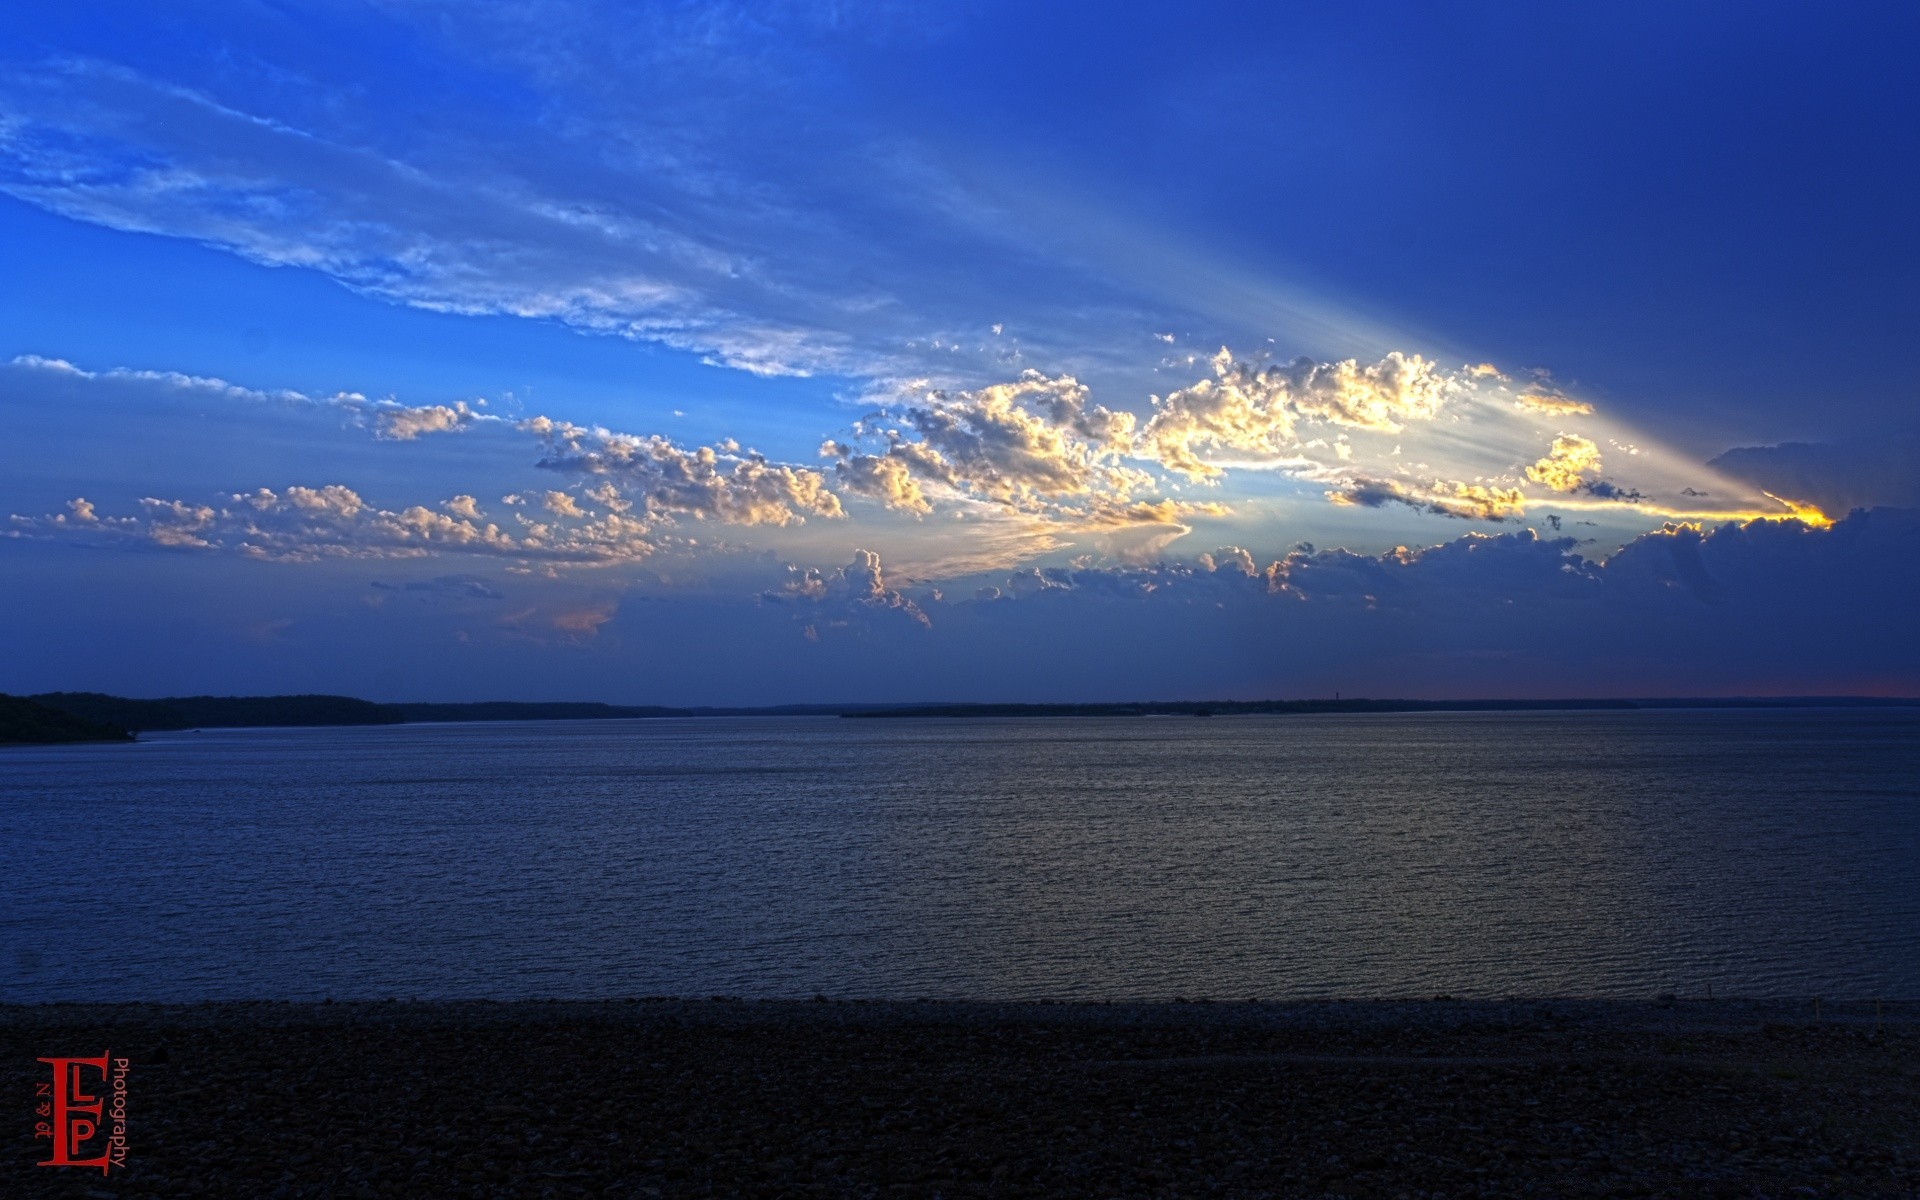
x=387 y=418
x=640 y=215
x=101 y=143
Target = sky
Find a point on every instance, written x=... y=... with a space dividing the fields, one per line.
x=694 y=353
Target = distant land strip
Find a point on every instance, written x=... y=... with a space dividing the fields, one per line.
x=52 y=717
x=1224 y=708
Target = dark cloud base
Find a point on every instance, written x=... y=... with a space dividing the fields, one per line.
x=1766 y=608
x=1837 y=476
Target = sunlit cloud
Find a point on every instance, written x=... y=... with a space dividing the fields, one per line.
x=1567 y=463
x=1448 y=498
x=667 y=480
x=953 y=482
x=1034 y=445
x=302 y=525
x=1249 y=410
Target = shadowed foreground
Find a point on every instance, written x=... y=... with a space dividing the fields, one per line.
x=718 y=1098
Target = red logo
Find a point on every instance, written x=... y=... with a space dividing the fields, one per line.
x=73 y=1116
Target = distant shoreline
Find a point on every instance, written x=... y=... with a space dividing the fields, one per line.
x=1227 y=708
x=93 y=716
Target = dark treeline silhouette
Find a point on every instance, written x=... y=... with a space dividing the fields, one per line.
x=119 y=713
x=1209 y=708
x=200 y=712
x=24 y=722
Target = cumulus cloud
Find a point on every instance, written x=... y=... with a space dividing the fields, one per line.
x=991 y=476
x=334 y=500
x=1248 y=411
x=1567 y=463
x=888 y=478
x=307 y=524
x=665 y=480
x=402 y=424
x=562 y=505
x=1028 y=444
x=171 y=523
x=661 y=478
x=1029 y=466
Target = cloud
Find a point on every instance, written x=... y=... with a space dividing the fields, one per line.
x=1679 y=610
x=334 y=500
x=1447 y=498
x=662 y=478
x=1021 y=468
x=666 y=481
x=105 y=144
x=684 y=198
x=470 y=586
x=308 y=524
x=1837 y=477
x=575 y=622
x=988 y=476
x=1027 y=444
x=888 y=478
x=389 y=419
x=1567 y=463
x=561 y=505
x=1552 y=406
x=585 y=621
x=1249 y=411
x=175 y=380
x=403 y=424
x=852 y=596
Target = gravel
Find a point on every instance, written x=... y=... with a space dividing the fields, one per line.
x=792 y=1098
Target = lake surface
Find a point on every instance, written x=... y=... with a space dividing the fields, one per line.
x=1480 y=854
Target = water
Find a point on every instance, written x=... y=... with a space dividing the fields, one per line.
x=1590 y=854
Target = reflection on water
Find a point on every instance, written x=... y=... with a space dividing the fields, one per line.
x=1601 y=853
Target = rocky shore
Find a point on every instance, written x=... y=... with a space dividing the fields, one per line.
x=751 y=1098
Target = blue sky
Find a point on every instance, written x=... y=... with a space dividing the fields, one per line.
x=740 y=353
